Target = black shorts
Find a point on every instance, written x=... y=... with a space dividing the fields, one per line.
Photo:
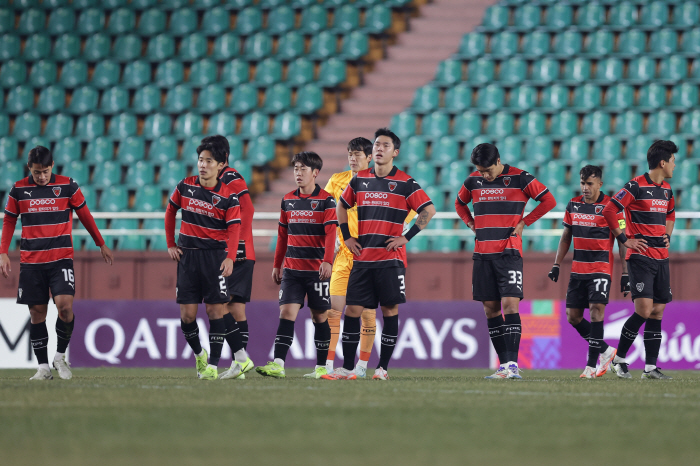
x=372 y=287
x=35 y=282
x=199 y=277
x=582 y=293
x=240 y=282
x=299 y=285
x=650 y=278
x=499 y=278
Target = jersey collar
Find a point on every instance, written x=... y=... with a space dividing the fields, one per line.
x=30 y=180
x=650 y=181
x=215 y=189
x=506 y=169
x=391 y=173
x=298 y=194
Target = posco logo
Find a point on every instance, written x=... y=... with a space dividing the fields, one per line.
x=301 y=213
x=658 y=202
x=584 y=217
x=491 y=191
x=42 y=202
x=198 y=203
x=376 y=195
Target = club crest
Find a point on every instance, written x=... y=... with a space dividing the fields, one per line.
x=666 y=193
x=215 y=200
x=314 y=204
x=599 y=209
x=392 y=185
x=506 y=180
x=56 y=191
x=640 y=287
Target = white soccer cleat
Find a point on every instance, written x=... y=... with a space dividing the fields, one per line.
x=44 y=373
x=604 y=361
x=380 y=374
x=588 y=373
x=501 y=373
x=234 y=372
x=63 y=368
x=513 y=372
x=360 y=372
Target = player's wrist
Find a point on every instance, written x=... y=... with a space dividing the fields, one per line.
x=415 y=229
x=622 y=238
x=345 y=230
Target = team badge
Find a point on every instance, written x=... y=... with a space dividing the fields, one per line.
x=392 y=185
x=57 y=191
x=640 y=287
x=215 y=200
x=506 y=180
x=314 y=204
x=599 y=209
x=666 y=193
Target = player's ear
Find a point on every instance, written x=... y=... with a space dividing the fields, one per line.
x=315 y=172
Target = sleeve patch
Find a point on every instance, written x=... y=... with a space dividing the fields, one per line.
x=621 y=195
x=622 y=224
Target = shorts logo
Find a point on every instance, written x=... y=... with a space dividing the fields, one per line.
x=19 y=291
x=56 y=191
x=666 y=193
x=598 y=209
x=506 y=181
x=314 y=204
x=392 y=185
x=640 y=287
x=280 y=294
x=621 y=195
x=215 y=200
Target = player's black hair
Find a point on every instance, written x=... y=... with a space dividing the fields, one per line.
x=363 y=144
x=387 y=132
x=309 y=159
x=217 y=151
x=219 y=140
x=485 y=155
x=591 y=170
x=660 y=150
x=41 y=156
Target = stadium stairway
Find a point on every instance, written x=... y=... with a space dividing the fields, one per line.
x=388 y=89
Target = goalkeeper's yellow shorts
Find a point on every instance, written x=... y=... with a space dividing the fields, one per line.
x=342 y=266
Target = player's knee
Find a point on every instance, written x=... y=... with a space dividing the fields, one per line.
x=333 y=314
x=369 y=319
x=574 y=318
x=65 y=313
x=597 y=312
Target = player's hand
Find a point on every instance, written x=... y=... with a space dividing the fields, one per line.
x=625 y=284
x=106 y=254
x=395 y=243
x=5 y=265
x=226 y=267
x=519 y=228
x=175 y=253
x=639 y=245
x=471 y=226
x=324 y=272
x=277 y=276
x=353 y=245
x=667 y=240
x=554 y=273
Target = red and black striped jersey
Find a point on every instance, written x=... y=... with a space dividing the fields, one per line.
x=647 y=208
x=47 y=217
x=206 y=214
x=382 y=206
x=498 y=208
x=593 y=240
x=235 y=181
x=306 y=231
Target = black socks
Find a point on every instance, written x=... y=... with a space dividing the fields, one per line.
x=217 y=333
x=351 y=339
x=496 y=326
x=512 y=332
x=629 y=333
x=390 y=334
x=322 y=338
x=233 y=334
x=284 y=339
x=595 y=343
x=652 y=340
x=39 y=336
x=243 y=330
x=191 y=333
x=64 y=330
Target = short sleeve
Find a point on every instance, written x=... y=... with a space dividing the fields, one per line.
x=464 y=196
x=329 y=215
x=567 y=216
x=283 y=215
x=176 y=196
x=77 y=200
x=12 y=205
x=233 y=212
x=348 y=198
x=626 y=195
x=531 y=186
x=416 y=198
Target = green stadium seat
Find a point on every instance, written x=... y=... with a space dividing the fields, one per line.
x=512 y=71
x=127 y=48
x=504 y=44
x=115 y=199
x=140 y=174
x=690 y=44
x=607 y=149
x=555 y=97
x=426 y=99
x=562 y=194
x=377 y=19
x=332 y=73
x=687 y=174
x=19 y=100
x=527 y=17
x=90 y=21
x=413 y=150
x=686 y=15
x=221 y=123
x=500 y=124
x=548 y=243
x=654 y=15
x=244 y=99
x=535 y=44
x=235 y=73
x=66 y=150
x=618 y=172
x=100 y=149
x=123 y=125
x=7 y=21
x=652 y=97
x=157 y=243
x=467 y=125
x=491 y=97
x=313 y=20
x=691 y=198
x=404 y=124
x=564 y=124
x=690 y=123
x=97 y=47
x=160 y=48
x=205 y=4
x=9 y=149
x=622 y=15
x=268 y=72
x=66 y=47
x=131 y=149
x=258 y=46
x=188 y=124
x=455 y=173
x=576 y=71
x=437 y=195
x=183 y=22
x=148 y=199
x=495 y=18
x=663 y=43
x=449 y=72
x=43 y=73
x=672 y=69
x=424 y=173
x=559 y=17
x=212 y=98
x=278 y=98
x=169 y=73
x=435 y=125
x=682 y=144
x=79 y=171
x=532 y=124
x=9 y=47
x=480 y=72
x=286 y=126
x=567 y=44
x=511 y=149
x=345 y=19
x=31 y=21
x=355 y=46
x=609 y=71
x=10 y=173
x=599 y=43
x=82 y=4
x=629 y=123
x=109 y=174
x=539 y=149
x=83 y=100
x=226 y=47
x=261 y=151
x=281 y=20
x=323 y=45
x=245 y=169
x=178 y=99
x=171 y=173
x=248 y=21
x=587 y=97
x=90 y=126
x=162 y=151
x=58 y=126
x=598 y=124
x=124 y=224
x=619 y=97
x=591 y=16
x=105 y=74
x=553 y=172
x=309 y=99
x=36 y=47
x=290 y=46
x=73 y=74
x=146 y=100
x=420 y=243
x=661 y=124
x=637 y=147
x=458 y=98
x=90 y=200
x=684 y=96
x=215 y=21
x=631 y=43
x=114 y=100
x=121 y=21
x=545 y=71
x=574 y=150
x=193 y=47
x=444 y=151
x=4 y=124
x=238 y=4
x=472 y=45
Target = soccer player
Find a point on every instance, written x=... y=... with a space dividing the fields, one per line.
x=240 y=282
x=499 y=194
x=359 y=157
x=383 y=195
x=591 y=271
x=205 y=252
x=45 y=202
x=650 y=212
x=305 y=245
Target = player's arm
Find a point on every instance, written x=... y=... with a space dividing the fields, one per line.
x=539 y=192
x=621 y=200
x=670 y=220
x=424 y=216
x=562 y=250
x=233 y=228
x=347 y=201
x=8 y=230
x=463 y=198
x=330 y=223
x=77 y=202
x=281 y=248
x=173 y=251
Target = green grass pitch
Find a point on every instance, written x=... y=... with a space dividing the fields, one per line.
x=419 y=417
